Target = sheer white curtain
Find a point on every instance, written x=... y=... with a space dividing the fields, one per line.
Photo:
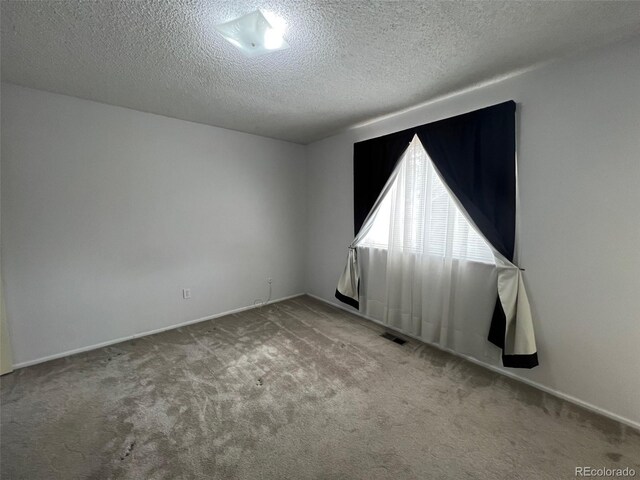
x=425 y=270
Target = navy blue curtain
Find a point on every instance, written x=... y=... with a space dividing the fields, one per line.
x=476 y=155
x=373 y=163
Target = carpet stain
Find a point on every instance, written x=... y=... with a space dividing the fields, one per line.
x=128 y=450
x=614 y=456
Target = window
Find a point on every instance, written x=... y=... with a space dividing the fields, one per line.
x=418 y=215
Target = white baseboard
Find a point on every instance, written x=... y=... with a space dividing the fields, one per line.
x=142 y=334
x=556 y=393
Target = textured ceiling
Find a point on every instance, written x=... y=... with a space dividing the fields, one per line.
x=349 y=61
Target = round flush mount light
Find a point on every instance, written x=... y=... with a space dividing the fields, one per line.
x=253 y=34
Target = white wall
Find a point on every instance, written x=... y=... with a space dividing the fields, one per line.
x=579 y=167
x=107 y=213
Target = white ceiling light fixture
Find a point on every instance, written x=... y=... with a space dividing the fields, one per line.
x=253 y=34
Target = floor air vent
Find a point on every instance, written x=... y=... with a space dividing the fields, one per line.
x=393 y=338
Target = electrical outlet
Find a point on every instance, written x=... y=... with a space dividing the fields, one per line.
x=186 y=293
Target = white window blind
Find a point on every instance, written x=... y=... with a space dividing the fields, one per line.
x=419 y=215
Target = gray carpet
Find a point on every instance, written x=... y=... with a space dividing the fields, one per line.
x=296 y=390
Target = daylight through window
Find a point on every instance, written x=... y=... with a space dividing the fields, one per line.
x=418 y=215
